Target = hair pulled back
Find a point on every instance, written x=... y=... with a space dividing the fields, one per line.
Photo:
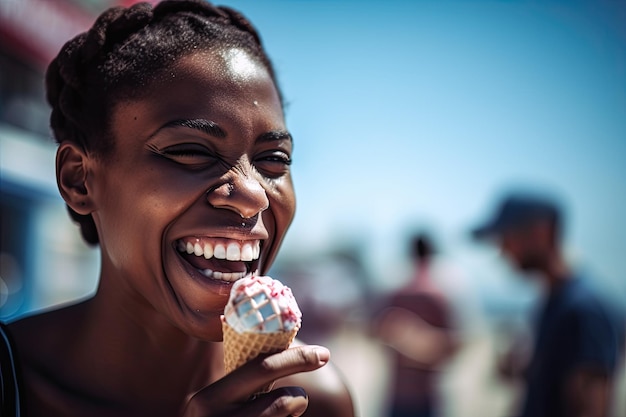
x=125 y=50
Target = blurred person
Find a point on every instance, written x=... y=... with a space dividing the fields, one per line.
x=577 y=337
x=171 y=136
x=417 y=324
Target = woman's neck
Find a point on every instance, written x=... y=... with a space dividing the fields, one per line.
x=137 y=353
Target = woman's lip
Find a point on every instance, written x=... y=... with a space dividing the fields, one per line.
x=215 y=286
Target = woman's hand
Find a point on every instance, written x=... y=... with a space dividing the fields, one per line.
x=231 y=395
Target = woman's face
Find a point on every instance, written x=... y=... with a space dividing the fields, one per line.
x=198 y=192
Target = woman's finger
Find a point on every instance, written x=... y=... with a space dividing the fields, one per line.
x=282 y=402
x=239 y=385
x=262 y=371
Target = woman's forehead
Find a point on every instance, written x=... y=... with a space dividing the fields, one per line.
x=228 y=85
x=224 y=67
x=240 y=64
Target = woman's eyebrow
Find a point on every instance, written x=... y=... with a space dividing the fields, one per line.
x=203 y=125
x=274 y=136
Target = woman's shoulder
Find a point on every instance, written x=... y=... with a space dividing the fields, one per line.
x=52 y=319
x=37 y=334
x=327 y=391
x=25 y=351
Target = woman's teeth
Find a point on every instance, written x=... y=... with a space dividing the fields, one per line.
x=231 y=251
x=223 y=276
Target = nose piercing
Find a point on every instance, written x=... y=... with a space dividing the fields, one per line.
x=249 y=223
x=245 y=203
x=225 y=189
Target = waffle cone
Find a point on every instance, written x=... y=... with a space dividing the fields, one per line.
x=240 y=348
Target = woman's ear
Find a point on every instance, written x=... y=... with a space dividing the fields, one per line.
x=72 y=170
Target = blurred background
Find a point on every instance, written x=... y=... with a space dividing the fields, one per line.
x=407 y=116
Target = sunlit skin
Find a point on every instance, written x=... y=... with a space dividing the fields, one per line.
x=203 y=154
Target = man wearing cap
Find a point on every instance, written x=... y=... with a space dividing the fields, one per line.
x=578 y=338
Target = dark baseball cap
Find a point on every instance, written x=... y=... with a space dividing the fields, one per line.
x=518 y=210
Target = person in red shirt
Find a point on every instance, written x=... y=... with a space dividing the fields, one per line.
x=418 y=325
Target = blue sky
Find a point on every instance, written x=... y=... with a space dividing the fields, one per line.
x=421 y=112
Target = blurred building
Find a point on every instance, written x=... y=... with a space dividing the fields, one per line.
x=42 y=258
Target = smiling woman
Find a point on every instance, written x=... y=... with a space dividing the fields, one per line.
x=174 y=158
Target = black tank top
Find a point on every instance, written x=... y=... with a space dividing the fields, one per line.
x=9 y=389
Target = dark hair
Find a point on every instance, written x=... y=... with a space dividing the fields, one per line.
x=125 y=51
x=422 y=247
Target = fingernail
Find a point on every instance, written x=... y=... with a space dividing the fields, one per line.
x=323 y=355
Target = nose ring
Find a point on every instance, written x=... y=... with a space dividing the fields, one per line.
x=247 y=206
x=227 y=188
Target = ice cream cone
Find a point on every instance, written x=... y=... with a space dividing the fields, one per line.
x=240 y=348
x=261 y=316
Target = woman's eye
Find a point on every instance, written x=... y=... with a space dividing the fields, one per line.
x=274 y=164
x=188 y=154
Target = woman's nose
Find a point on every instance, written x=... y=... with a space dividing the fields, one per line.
x=242 y=194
